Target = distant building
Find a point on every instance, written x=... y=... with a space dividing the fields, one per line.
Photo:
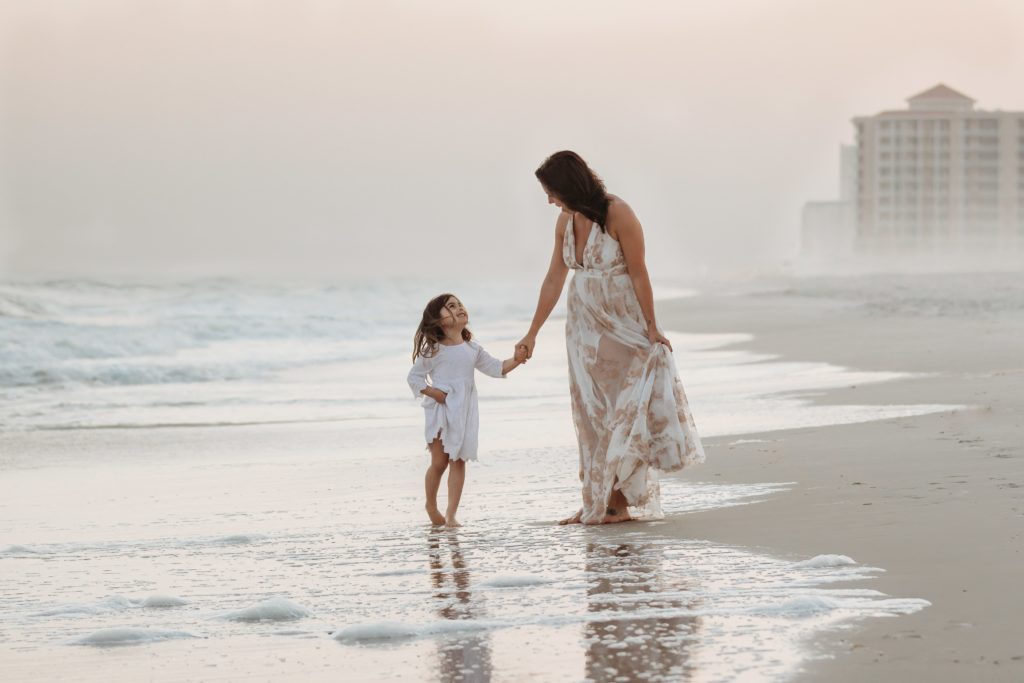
x=828 y=227
x=848 y=173
x=939 y=176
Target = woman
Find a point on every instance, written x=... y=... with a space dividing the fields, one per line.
x=631 y=414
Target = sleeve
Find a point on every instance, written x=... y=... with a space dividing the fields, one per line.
x=488 y=364
x=418 y=375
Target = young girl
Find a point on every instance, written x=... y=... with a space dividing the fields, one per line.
x=444 y=353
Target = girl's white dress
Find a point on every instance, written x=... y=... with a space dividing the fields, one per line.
x=451 y=369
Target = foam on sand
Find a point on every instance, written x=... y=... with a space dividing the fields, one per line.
x=115 y=603
x=820 y=561
x=238 y=539
x=514 y=581
x=377 y=631
x=21 y=551
x=160 y=601
x=382 y=631
x=804 y=606
x=113 y=637
x=274 y=609
x=402 y=572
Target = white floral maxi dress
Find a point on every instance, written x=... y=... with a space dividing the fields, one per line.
x=632 y=417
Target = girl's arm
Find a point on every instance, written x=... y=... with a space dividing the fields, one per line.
x=508 y=365
x=631 y=239
x=550 y=289
x=418 y=380
x=491 y=366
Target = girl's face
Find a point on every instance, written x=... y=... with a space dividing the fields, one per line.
x=454 y=313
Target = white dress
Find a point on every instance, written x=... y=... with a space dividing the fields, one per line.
x=451 y=369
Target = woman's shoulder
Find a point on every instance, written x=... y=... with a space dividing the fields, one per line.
x=620 y=215
x=562 y=222
x=619 y=208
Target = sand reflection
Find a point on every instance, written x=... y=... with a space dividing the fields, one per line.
x=627 y=579
x=463 y=657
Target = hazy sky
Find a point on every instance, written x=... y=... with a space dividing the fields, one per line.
x=343 y=138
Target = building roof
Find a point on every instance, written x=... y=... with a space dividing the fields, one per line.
x=940 y=92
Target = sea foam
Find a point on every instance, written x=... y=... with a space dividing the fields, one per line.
x=819 y=561
x=377 y=630
x=21 y=551
x=380 y=631
x=403 y=572
x=159 y=601
x=514 y=581
x=804 y=606
x=238 y=539
x=115 y=603
x=274 y=609
x=112 y=637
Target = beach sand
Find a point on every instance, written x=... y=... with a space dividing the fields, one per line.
x=937 y=500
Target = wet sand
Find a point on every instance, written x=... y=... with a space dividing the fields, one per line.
x=937 y=500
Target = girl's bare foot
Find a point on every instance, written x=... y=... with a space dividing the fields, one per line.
x=575 y=519
x=452 y=523
x=436 y=518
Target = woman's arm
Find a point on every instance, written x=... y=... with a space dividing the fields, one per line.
x=631 y=238
x=550 y=289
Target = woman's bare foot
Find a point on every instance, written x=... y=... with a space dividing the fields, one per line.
x=452 y=523
x=436 y=518
x=616 y=515
x=575 y=519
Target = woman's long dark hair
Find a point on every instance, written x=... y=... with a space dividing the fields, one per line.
x=430 y=333
x=565 y=175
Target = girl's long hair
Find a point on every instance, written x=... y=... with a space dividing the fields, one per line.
x=567 y=176
x=430 y=333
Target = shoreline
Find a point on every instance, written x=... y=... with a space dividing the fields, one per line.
x=937 y=501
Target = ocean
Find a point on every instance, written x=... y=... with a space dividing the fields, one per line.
x=87 y=355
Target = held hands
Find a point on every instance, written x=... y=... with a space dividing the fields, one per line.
x=656 y=337
x=525 y=346
x=519 y=358
x=521 y=354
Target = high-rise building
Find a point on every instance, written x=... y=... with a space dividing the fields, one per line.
x=939 y=175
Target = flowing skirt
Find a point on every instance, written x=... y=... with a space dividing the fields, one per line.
x=632 y=417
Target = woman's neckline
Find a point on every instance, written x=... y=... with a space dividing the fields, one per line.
x=594 y=226
x=586 y=242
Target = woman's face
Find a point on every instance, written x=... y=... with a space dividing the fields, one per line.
x=553 y=199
